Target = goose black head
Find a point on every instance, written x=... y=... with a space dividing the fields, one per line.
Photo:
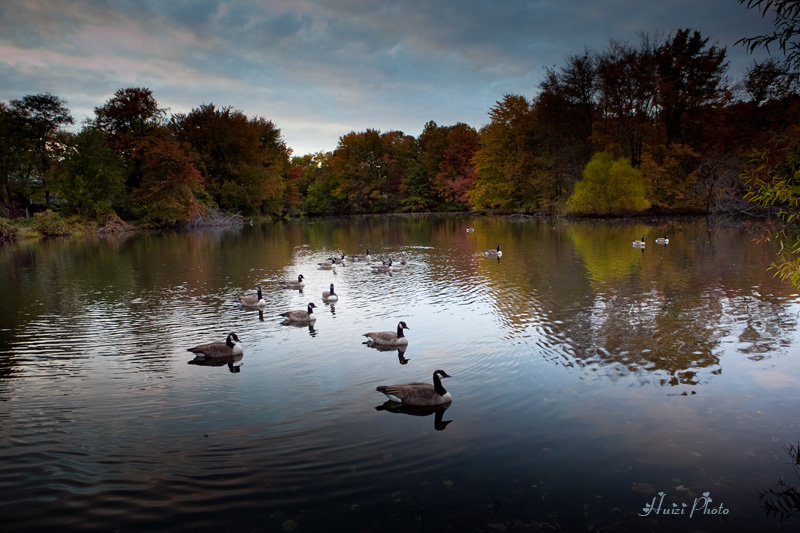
x=441 y=374
x=403 y=325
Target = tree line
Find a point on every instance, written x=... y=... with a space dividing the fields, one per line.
x=653 y=126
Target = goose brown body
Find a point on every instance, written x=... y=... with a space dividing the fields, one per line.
x=300 y=315
x=388 y=338
x=253 y=301
x=294 y=284
x=494 y=253
x=419 y=394
x=228 y=348
x=386 y=266
x=362 y=257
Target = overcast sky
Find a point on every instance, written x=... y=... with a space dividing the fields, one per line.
x=320 y=69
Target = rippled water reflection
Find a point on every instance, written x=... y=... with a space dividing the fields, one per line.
x=587 y=377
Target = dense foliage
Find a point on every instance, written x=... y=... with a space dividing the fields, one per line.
x=654 y=126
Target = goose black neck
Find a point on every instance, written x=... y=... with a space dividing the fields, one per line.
x=437 y=385
x=229 y=341
x=400 y=331
x=310 y=309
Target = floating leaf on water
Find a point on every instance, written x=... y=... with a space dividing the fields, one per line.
x=644 y=488
x=289 y=525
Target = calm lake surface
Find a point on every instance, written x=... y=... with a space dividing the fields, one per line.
x=588 y=377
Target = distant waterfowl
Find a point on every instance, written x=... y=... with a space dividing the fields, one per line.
x=253 y=301
x=362 y=257
x=294 y=284
x=330 y=296
x=493 y=253
x=665 y=240
x=386 y=266
x=228 y=348
x=326 y=265
x=470 y=230
x=337 y=260
x=639 y=244
x=388 y=338
x=300 y=315
x=419 y=394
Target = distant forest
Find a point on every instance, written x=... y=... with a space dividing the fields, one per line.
x=655 y=127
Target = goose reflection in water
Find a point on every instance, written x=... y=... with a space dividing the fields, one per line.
x=234 y=363
x=413 y=410
x=401 y=352
x=312 y=332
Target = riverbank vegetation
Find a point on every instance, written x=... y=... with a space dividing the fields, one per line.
x=656 y=127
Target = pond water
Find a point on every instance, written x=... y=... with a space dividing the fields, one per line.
x=588 y=378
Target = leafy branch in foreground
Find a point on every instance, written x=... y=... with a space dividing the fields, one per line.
x=774 y=183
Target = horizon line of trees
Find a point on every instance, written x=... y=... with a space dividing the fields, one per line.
x=613 y=131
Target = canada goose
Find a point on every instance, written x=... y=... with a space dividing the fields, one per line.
x=493 y=253
x=300 y=315
x=330 y=296
x=294 y=284
x=419 y=394
x=470 y=230
x=326 y=265
x=386 y=266
x=337 y=260
x=639 y=244
x=665 y=240
x=388 y=338
x=362 y=257
x=228 y=348
x=253 y=301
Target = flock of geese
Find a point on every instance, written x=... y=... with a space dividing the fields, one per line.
x=415 y=394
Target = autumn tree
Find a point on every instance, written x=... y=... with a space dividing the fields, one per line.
x=316 y=183
x=690 y=84
x=171 y=189
x=39 y=118
x=244 y=161
x=609 y=187
x=91 y=178
x=129 y=119
x=368 y=169
x=511 y=170
x=627 y=92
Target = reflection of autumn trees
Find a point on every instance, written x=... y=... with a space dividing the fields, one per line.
x=664 y=311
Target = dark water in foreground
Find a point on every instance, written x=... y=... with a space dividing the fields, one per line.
x=588 y=378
